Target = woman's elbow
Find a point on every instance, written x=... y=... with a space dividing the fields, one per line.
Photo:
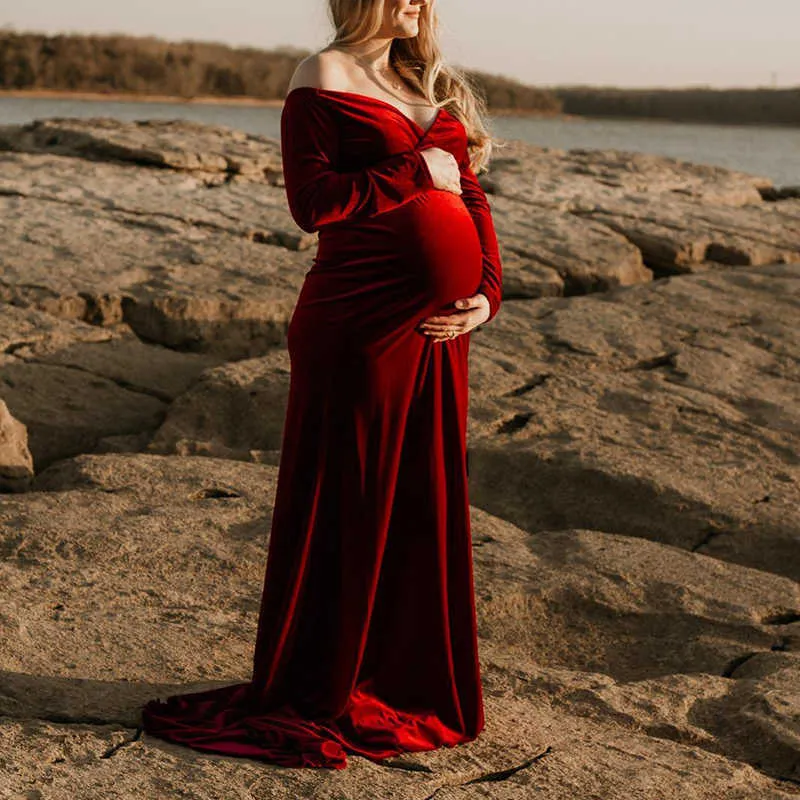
x=304 y=218
x=307 y=225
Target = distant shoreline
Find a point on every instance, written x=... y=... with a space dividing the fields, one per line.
x=127 y=97
x=257 y=102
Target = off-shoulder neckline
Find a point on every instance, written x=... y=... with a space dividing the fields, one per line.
x=386 y=103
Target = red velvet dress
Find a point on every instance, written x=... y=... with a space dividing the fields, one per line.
x=366 y=638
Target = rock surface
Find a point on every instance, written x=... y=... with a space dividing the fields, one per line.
x=235 y=410
x=634 y=452
x=596 y=648
x=182 y=230
x=668 y=410
x=72 y=384
x=176 y=144
x=16 y=461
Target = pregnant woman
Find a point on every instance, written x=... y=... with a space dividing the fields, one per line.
x=367 y=639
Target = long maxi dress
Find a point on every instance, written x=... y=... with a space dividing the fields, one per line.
x=366 y=640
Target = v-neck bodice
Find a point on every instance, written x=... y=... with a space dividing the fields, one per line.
x=362 y=129
x=357 y=97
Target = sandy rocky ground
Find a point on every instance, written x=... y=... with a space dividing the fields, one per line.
x=634 y=450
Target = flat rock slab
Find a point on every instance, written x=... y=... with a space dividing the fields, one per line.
x=587 y=256
x=625 y=607
x=175 y=284
x=112 y=352
x=239 y=207
x=572 y=180
x=175 y=144
x=71 y=384
x=587 y=641
x=669 y=410
x=233 y=410
x=679 y=236
x=677 y=644
x=16 y=461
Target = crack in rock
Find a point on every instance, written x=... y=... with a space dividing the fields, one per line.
x=408 y=766
x=497 y=775
x=535 y=382
x=124 y=743
x=711 y=533
x=737 y=662
x=656 y=362
x=781 y=618
x=516 y=423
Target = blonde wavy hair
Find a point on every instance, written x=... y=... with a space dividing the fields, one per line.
x=419 y=62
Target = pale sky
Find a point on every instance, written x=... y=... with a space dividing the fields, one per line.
x=720 y=43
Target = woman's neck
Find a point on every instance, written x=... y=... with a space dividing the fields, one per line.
x=372 y=55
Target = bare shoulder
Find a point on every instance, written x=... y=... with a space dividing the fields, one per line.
x=326 y=69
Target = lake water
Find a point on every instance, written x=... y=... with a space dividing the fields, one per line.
x=772 y=152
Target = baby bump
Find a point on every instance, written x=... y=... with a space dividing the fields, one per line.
x=439 y=245
x=382 y=273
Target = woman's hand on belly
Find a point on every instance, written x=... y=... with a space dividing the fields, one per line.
x=443 y=168
x=472 y=312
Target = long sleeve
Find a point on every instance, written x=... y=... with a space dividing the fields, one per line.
x=474 y=197
x=318 y=194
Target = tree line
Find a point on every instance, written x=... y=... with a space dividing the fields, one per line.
x=120 y=64
x=739 y=106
